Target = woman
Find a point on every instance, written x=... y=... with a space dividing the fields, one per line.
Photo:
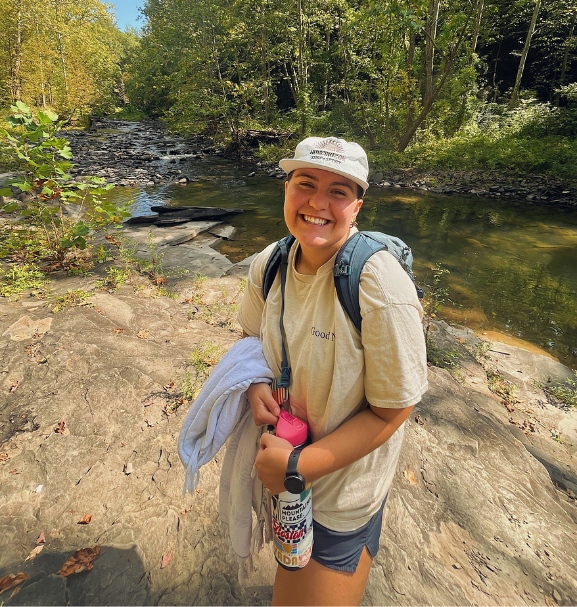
x=355 y=390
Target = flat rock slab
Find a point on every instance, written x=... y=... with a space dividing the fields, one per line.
x=167 y=236
x=90 y=411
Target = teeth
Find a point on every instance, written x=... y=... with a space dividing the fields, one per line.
x=316 y=220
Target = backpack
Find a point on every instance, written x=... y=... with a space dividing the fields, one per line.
x=349 y=264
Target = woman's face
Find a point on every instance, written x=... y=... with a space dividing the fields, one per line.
x=319 y=208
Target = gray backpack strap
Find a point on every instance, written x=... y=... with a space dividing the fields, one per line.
x=351 y=259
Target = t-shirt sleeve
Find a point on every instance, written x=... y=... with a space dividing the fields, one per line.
x=252 y=305
x=392 y=335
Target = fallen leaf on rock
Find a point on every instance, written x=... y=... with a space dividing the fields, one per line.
x=81 y=560
x=11 y=580
x=118 y=331
x=143 y=334
x=61 y=427
x=85 y=519
x=166 y=558
x=34 y=553
x=419 y=420
x=113 y=240
x=41 y=539
x=410 y=476
x=3 y=457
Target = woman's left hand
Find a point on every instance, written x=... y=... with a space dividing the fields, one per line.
x=271 y=462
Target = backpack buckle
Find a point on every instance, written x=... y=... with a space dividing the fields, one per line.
x=342 y=269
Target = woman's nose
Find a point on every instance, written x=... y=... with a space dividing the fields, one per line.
x=318 y=201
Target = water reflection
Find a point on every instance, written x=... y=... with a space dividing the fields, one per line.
x=511 y=268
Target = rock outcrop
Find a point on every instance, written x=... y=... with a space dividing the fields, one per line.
x=92 y=403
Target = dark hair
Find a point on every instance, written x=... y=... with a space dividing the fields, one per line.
x=360 y=191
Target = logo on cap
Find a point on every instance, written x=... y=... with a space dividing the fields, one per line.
x=329 y=149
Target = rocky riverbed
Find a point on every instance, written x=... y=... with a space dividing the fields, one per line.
x=143 y=153
x=482 y=510
x=94 y=391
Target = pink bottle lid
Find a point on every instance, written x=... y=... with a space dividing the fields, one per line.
x=292 y=429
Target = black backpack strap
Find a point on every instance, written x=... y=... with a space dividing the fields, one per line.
x=273 y=264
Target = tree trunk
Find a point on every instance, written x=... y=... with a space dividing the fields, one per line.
x=477 y=26
x=433 y=95
x=303 y=99
x=16 y=63
x=515 y=95
x=430 y=40
x=565 y=58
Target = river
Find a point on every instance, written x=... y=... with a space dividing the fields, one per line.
x=512 y=266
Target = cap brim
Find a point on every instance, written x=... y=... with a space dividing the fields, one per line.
x=288 y=165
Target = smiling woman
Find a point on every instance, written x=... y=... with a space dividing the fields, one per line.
x=355 y=389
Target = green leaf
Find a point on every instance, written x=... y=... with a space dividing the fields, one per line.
x=47 y=117
x=80 y=229
x=9 y=207
x=6 y=192
x=35 y=135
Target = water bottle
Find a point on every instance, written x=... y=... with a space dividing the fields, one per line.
x=292 y=513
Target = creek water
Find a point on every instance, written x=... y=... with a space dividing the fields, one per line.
x=512 y=266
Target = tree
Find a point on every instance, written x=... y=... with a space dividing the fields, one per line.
x=515 y=94
x=59 y=53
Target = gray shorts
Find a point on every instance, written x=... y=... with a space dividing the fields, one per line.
x=341 y=550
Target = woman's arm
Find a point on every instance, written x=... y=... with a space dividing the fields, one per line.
x=351 y=441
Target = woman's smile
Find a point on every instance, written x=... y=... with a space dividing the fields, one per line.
x=316 y=220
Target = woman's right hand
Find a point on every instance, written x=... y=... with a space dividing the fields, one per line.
x=265 y=409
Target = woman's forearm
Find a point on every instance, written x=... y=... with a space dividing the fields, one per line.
x=359 y=436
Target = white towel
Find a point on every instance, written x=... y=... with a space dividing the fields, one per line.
x=239 y=489
x=221 y=410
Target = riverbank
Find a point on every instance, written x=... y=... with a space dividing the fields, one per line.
x=148 y=155
x=482 y=510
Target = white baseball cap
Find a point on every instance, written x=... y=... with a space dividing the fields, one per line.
x=338 y=156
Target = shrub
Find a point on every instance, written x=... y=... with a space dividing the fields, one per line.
x=44 y=159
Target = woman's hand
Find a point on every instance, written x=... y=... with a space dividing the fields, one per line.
x=265 y=409
x=272 y=461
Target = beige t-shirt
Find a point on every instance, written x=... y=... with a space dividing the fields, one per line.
x=335 y=370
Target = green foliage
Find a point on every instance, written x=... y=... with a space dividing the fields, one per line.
x=565 y=394
x=73 y=297
x=45 y=163
x=441 y=357
x=533 y=138
x=502 y=387
x=115 y=278
x=203 y=357
x=128 y=112
x=60 y=54
x=435 y=296
x=21 y=278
